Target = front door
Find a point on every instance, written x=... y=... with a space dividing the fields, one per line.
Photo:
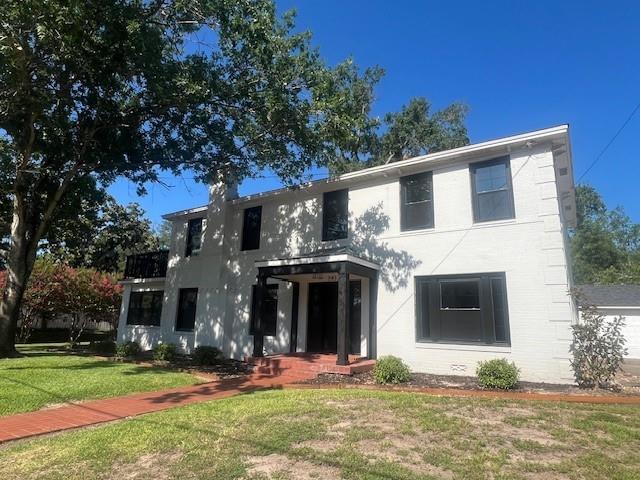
x=322 y=321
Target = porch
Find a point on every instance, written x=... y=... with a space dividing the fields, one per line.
x=334 y=300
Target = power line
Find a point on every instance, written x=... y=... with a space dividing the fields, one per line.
x=613 y=139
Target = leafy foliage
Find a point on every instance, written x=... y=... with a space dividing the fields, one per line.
x=605 y=244
x=598 y=347
x=95 y=90
x=390 y=369
x=411 y=132
x=80 y=295
x=165 y=351
x=206 y=355
x=498 y=373
x=127 y=349
x=104 y=240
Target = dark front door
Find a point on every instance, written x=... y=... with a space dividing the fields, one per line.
x=322 y=322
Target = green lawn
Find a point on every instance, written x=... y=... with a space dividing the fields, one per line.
x=351 y=434
x=48 y=378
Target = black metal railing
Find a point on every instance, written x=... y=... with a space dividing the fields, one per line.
x=147 y=265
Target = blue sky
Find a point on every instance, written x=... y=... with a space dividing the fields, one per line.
x=518 y=66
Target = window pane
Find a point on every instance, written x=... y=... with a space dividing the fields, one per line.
x=463 y=294
x=145 y=308
x=418 y=215
x=187 y=309
x=335 y=208
x=498 y=294
x=417 y=201
x=417 y=188
x=251 y=228
x=194 y=237
x=491 y=177
x=494 y=205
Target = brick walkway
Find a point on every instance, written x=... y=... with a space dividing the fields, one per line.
x=74 y=415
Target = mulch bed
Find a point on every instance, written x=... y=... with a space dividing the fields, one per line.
x=425 y=380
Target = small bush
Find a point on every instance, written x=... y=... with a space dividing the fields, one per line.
x=103 y=347
x=127 y=349
x=165 y=351
x=498 y=373
x=390 y=369
x=206 y=355
x=598 y=349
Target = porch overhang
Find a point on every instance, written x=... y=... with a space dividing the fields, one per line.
x=342 y=261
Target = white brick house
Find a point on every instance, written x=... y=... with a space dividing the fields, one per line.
x=442 y=260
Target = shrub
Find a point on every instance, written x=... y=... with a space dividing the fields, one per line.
x=498 y=373
x=390 y=369
x=127 y=349
x=206 y=355
x=103 y=347
x=165 y=351
x=597 y=349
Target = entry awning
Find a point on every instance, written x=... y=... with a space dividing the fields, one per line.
x=324 y=256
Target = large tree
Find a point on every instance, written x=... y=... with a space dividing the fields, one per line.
x=95 y=89
x=103 y=239
x=605 y=245
x=414 y=130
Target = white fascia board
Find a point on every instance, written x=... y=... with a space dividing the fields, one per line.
x=182 y=213
x=343 y=257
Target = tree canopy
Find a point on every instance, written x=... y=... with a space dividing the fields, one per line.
x=93 y=90
x=605 y=245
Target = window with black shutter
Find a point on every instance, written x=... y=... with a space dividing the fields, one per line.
x=187 y=301
x=145 y=308
x=251 y=228
x=335 y=215
x=492 y=190
x=417 y=201
x=462 y=309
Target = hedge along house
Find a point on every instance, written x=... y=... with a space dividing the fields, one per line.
x=443 y=260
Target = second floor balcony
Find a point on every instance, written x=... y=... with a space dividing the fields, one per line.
x=147 y=265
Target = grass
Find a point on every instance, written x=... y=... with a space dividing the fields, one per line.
x=44 y=378
x=347 y=434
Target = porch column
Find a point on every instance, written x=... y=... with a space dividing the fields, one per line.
x=343 y=316
x=258 y=335
x=372 y=342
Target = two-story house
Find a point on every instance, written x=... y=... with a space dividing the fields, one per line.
x=443 y=260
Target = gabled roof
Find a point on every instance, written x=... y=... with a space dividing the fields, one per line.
x=558 y=136
x=611 y=295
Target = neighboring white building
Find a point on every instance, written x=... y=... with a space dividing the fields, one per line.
x=618 y=301
x=443 y=260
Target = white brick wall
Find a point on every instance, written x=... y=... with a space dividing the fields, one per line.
x=530 y=249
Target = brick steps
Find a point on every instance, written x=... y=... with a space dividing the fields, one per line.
x=308 y=365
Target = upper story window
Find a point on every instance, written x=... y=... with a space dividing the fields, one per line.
x=251 y=228
x=492 y=190
x=417 y=201
x=194 y=237
x=462 y=309
x=335 y=215
x=145 y=308
x=187 y=301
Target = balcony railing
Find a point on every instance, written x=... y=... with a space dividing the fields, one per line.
x=147 y=265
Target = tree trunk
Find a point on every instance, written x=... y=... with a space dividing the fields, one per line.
x=22 y=256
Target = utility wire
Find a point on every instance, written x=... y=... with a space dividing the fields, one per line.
x=613 y=139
